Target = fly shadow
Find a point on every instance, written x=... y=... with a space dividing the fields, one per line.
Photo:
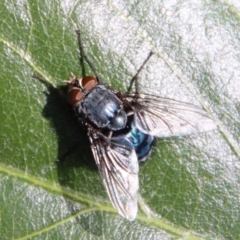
x=73 y=145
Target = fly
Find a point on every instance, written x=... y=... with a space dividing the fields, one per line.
x=122 y=128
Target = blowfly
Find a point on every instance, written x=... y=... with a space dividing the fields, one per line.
x=122 y=128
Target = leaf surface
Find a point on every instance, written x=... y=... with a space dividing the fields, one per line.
x=189 y=188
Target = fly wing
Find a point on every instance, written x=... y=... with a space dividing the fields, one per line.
x=118 y=165
x=164 y=117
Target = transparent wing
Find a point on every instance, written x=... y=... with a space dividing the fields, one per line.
x=118 y=165
x=164 y=117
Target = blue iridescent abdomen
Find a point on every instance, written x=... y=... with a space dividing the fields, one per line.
x=142 y=142
x=132 y=137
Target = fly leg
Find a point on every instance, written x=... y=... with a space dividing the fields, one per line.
x=135 y=77
x=44 y=81
x=62 y=159
x=83 y=55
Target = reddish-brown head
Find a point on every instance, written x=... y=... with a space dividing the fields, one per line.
x=79 y=87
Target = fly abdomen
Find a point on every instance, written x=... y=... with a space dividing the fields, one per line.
x=142 y=142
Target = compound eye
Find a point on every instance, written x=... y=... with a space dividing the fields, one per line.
x=89 y=82
x=74 y=96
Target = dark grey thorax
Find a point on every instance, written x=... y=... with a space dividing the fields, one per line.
x=103 y=108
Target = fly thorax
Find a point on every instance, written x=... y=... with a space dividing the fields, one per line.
x=104 y=109
x=118 y=121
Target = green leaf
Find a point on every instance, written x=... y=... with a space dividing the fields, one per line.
x=189 y=188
